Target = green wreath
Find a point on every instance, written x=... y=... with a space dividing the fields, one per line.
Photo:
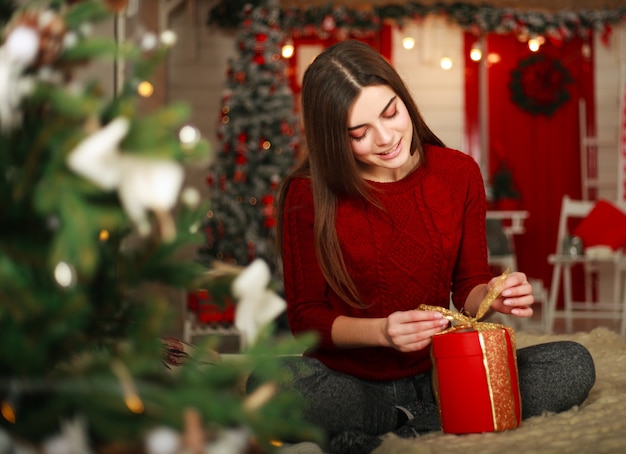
x=539 y=84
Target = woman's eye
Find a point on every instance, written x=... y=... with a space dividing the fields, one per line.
x=358 y=138
x=391 y=113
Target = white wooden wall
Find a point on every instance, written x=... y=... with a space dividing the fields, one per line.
x=610 y=69
x=439 y=93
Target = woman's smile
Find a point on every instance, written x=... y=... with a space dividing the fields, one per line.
x=392 y=153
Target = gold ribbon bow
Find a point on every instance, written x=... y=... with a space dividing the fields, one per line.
x=465 y=321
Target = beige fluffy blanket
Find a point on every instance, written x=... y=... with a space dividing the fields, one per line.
x=598 y=426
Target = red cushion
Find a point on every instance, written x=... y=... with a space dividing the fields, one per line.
x=604 y=225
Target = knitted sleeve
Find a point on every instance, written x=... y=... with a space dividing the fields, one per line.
x=306 y=290
x=472 y=265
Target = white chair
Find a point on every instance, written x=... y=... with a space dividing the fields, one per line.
x=502 y=226
x=500 y=246
x=612 y=265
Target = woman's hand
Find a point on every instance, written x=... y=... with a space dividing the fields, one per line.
x=412 y=330
x=517 y=296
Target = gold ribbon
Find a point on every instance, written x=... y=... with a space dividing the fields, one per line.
x=467 y=322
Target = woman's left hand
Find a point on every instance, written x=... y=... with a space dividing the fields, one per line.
x=517 y=296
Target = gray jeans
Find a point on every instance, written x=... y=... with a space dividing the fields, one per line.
x=553 y=377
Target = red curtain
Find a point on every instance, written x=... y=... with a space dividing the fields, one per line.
x=543 y=151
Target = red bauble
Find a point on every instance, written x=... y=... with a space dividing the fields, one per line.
x=329 y=24
x=239 y=176
x=269 y=223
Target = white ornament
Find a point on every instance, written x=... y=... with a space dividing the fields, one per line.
x=149 y=41
x=64 y=274
x=162 y=440
x=256 y=304
x=97 y=157
x=189 y=136
x=168 y=38
x=191 y=197
x=19 y=51
x=230 y=441
x=70 y=40
x=46 y=18
x=71 y=440
x=22 y=46
x=149 y=184
x=56 y=445
x=143 y=183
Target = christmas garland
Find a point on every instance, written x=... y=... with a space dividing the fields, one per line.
x=539 y=84
x=341 y=21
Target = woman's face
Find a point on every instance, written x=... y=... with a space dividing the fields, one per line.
x=380 y=131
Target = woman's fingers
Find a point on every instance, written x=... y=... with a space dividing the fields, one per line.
x=413 y=330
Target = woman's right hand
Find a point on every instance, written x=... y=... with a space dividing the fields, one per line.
x=408 y=331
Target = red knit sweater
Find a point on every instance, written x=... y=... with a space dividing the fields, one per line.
x=428 y=245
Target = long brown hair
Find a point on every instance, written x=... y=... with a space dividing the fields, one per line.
x=330 y=86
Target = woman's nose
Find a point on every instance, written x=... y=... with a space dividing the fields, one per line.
x=384 y=135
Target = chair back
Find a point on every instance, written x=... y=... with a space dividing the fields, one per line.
x=570 y=209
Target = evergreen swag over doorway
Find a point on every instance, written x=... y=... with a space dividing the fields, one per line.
x=363 y=20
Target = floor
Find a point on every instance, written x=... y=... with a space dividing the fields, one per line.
x=536 y=324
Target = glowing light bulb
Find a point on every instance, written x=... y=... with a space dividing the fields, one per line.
x=288 y=50
x=408 y=42
x=534 y=44
x=7 y=411
x=476 y=54
x=189 y=136
x=134 y=403
x=494 y=58
x=64 y=274
x=103 y=235
x=145 y=89
x=169 y=38
x=446 y=63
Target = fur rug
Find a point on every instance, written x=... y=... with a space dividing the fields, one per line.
x=598 y=426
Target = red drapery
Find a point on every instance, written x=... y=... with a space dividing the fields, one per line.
x=542 y=151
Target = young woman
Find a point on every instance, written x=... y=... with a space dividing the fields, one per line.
x=380 y=218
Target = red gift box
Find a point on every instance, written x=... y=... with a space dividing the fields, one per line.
x=475 y=379
x=208 y=310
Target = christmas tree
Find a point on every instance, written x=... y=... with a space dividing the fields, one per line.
x=258 y=135
x=94 y=217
